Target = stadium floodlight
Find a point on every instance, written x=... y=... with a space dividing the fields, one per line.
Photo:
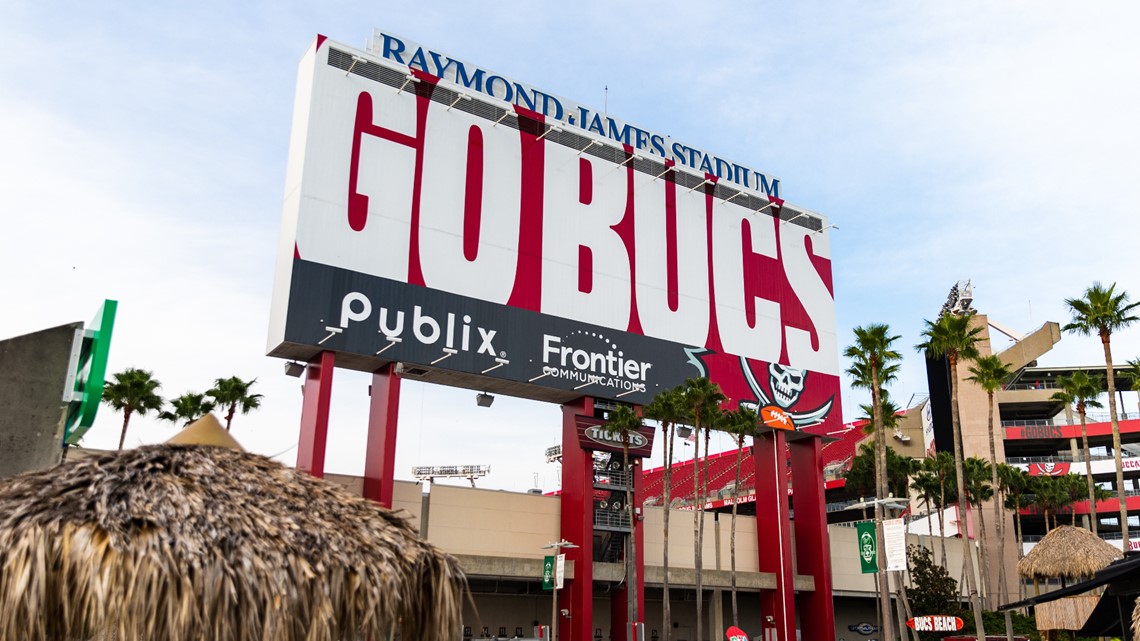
x=433 y=472
x=554 y=454
x=294 y=369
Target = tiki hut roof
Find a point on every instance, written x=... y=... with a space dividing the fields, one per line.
x=1136 y=618
x=1068 y=613
x=1068 y=552
x=206 y=431
x=180 y=543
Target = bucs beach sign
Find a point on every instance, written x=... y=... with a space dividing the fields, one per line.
x=935 y=623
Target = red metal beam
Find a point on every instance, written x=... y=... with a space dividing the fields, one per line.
x=315 y=414
x=813 y=550
x=380 y=450
x=577 y=510
x=774 y=535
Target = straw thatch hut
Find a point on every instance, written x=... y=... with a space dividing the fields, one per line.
x=188 y=542
x=1067 y=552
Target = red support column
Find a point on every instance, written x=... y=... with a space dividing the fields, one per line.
x=639 y=539
x=619 y=599
x=577 y=526
x=380 y=451
x=813 y=550
x=774 y=537
x=315 y=414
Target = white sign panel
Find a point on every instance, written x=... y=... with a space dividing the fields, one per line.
x=894 y=540
x=560 y=571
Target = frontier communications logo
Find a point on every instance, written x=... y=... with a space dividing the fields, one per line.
x=592 y=359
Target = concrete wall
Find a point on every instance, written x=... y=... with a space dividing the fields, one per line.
x=493 y=523
x=33 y=369
x=681 y=539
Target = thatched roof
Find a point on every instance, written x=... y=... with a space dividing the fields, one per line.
x=206 y=431
x=1136 y=619
x=181 y=543
x=1068 y=613
x=1069 y=552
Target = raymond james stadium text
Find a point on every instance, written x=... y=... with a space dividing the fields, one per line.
x=470 y=76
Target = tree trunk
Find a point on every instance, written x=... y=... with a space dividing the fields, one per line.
x=126 y=421
x=960 y=473
x=1088 y=469
x=880 y=493
x=1020 y=547
x=631 y=545
x=942 y=520
x=732 y=529
x=930 y=525
x=985 y=559
x=666 y=621
x=1003 y=580
x=701 y=529
x=999 y=522
x=230 y=415
x=1105 y=339
x=698 y=521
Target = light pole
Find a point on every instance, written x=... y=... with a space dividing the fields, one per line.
x=558 y=547
x=883 y=585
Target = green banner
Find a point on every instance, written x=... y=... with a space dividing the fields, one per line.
x=547 y=573
x=868 y=547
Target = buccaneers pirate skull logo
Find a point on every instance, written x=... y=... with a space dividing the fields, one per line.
x=777 y=403
x=786 y=383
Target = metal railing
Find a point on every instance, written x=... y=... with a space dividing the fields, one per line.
x=1066 y=457
x=1090 y=418
x=611 y=518
x=1032 y=385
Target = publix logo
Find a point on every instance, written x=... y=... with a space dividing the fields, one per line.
x=599 y=434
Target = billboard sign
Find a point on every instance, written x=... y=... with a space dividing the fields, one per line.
x=473 y=78
x=494 y=247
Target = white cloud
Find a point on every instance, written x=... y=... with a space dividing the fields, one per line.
x=144 y=152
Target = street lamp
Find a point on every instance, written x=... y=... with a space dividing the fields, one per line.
x=883 y=582
x=559 y=546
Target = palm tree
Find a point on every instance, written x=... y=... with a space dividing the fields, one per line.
x=233 y=394
x=1100 y=312
x=188 y=408
x=1082 y=390
x=990 y=373
x=668 y=409
x=740 y=424
x=133 y=391
x=874 y=363
x=979 y=490
x=952 y=337
x=925 y=486
x=702 y=402
x=1052 y=495
x=1133 y=374
x=623 y=422
x=941 y=465
x=1013 y=484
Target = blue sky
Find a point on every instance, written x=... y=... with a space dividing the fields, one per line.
x=144 y=147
